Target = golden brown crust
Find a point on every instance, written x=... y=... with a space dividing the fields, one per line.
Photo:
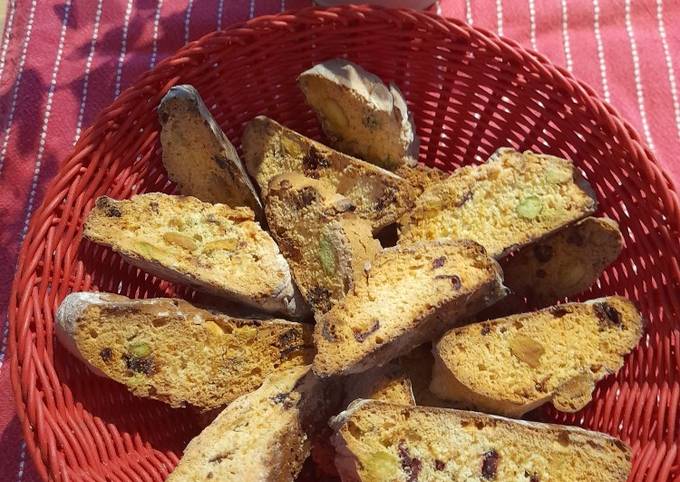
x=209 y=246
x=565 y=263
x=526 y=360
x=169 y=350
x=382 y=441
x=270 y=149
x=261 y=436
x=325 y=243
x=410 y=295
x=360 y=115
x=198 y=156
x=504 y=204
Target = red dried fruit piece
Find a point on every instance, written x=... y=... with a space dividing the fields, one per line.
x=411 y=465
x=490 y=464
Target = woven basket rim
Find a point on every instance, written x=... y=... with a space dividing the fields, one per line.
x=263 y=24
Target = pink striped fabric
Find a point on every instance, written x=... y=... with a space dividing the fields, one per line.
x=62 y=62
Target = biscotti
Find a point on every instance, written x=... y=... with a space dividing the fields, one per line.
x=515 y=364
x=198 y=156
x=209 y=246
x=564 y=263
x=389 y=383
x=169 y=350
x=360 y=115
x=378 y=441
x=260 y=437
x=512 y=200
x=420 y=177
x=325 y=243
x=409 y=295
x=379 y=196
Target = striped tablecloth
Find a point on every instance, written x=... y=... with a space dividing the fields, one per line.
x=63 y=61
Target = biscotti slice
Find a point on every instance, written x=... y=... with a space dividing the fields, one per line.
x=209 y=246
x=169 y=350
x=378 y=195
x=420 y=177
x=378 y=441
x=408 y=296
x=564 y=263
x=198 y=156
x=360 y=115
x=510 y=201
x=261 y=437
x=325 y=243
x=515 y=364
x=389 y=383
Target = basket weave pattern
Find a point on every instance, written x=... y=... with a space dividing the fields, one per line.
x=470 y=92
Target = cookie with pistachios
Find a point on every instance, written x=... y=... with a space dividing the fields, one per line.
x=510 y=201
x=171 y=351
x=379 y=196
x=197 y=154
x=325 y=243
x=512 y=365
x=565 y=263
x=361 y=115
x=212 y=247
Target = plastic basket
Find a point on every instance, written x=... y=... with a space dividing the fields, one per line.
x=470 y=92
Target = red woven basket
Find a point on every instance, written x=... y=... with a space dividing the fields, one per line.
x=470 y=92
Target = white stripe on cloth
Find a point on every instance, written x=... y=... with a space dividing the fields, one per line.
x=17 y=83
x=600 y=50
x=532 y=24
x=88 y=67
x=46 y=119
x=499 y=16
x=669 y=63
x=154 y=35
x=639 y=91
x=283 y=5
x=438 y=7
x=251 y=12
x=468 y=12
x=7 y=36
x=123 y=48
x=22 y=461
x=565 y=37
x=187 y=21
x=220 y=11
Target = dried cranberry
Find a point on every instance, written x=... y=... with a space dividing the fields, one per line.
x=532 y=477
x=607 y=315
x=283 y=399
x=106 y=354
x=361 y=336
x=439 y=465
x=558 y=311
x=411 y=465
x=305 y=197
x=486 y=329
x=144 y=365
x=313 y=160
x=490 y=464
x=464 y=199
x=438 y=262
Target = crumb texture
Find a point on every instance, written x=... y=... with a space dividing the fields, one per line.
x=326 y=244
x=510 y=201
x=379 y=196
x=198 y=156
x=361 y=115
x=512 y=365
x=260 y=437
x=210 y=246
x=565 y=263
x=410 y=295
x=377 y=441
x=169 y=350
